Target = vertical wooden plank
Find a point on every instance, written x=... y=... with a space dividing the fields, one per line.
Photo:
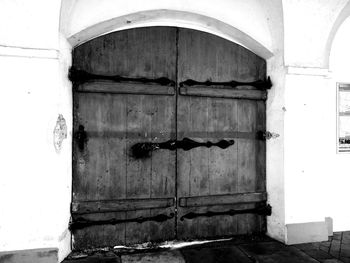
x=261 y=158
x=203 y=56
x=138 y=170
x=96 y=111
x=246 y=161
x=114 y=169
x=104 y=174
x=261 y=147
x=163 y=161
x=163 y=165
x=138 y=130
x=223 y=163
x=140 y=52
x=193 y=165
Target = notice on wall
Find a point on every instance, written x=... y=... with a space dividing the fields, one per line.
x=343 y=117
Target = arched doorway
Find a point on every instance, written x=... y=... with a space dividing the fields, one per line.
x=168 y=127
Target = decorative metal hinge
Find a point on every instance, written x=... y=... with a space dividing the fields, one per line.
x=80 y=223
x=143 y=150
x=264 y=210
x=80 y=76
x=266 y=135
x=261 y=84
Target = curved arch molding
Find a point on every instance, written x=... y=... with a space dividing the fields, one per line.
x=343 y=15
x=165 y=17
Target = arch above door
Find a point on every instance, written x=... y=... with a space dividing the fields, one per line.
x=166 y=17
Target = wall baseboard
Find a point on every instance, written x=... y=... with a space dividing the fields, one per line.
x=307 y=232
x=41 y=255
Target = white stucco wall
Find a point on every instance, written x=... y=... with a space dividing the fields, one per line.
x=31 y=23
x=83 y=14
x=35 y=180
x=307 y=25
x=339 y=67
x=314 y=173
x=35 y=184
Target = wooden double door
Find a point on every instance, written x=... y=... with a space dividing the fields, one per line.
x=131 y=87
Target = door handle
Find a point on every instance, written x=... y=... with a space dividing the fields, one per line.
x=144 y=149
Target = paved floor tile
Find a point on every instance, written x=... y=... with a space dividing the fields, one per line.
x=337 y=235
x=345 y=250
x=344 y=260
x=94 y=259
x=318 y=254
x=157 y=257
x=274 y=252
x=214 y=255
x=346 y=238
x=334 y=260
x=335 y=248
x=237 y=250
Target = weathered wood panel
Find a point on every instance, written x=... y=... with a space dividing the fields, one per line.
x=202 y=91
x=114 y=120
x=222 y=199
x=203 y=57
x=212 y=110
x=126 y=88
x=136 y=53
x=116 y=116
x=120 y=205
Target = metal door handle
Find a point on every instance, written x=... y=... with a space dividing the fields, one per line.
x=143 y=150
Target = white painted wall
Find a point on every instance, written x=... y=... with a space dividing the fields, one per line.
x=315 y=176
x=339 y=66
x=307 y=25
x=31 y=23
x=35 y=180
x=83 y=14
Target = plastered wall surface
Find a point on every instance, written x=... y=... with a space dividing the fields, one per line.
x=83 y=14
x=35 y=179
x=339 y=60
x=31 y=23
x=307 y=25
x=309 y=143
x=315 y=175
x=305 y=176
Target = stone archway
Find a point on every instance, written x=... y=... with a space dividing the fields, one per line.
x=258 y=38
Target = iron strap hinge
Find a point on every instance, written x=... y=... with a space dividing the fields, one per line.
x=264 y=210
x=80 y=223
x=144 y=150
x=266 y=135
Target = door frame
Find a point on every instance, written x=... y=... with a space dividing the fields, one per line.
x=274 y=152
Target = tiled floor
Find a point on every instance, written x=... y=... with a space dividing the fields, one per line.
x=338 y=247
x=240 y=249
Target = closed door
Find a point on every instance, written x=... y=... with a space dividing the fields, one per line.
x=130 y=89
